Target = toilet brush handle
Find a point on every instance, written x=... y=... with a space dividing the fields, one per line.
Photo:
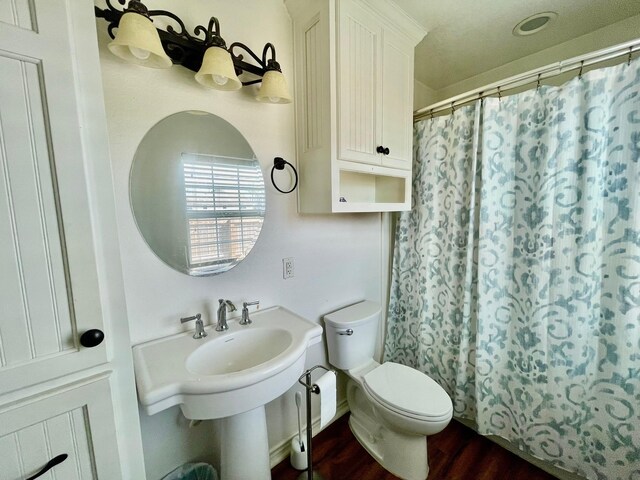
x=298 y=405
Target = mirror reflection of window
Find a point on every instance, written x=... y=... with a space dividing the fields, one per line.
x=225 y=207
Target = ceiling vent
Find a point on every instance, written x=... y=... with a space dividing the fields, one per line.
x=534 y=23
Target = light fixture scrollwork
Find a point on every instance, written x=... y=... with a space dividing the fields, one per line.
x=138 y=41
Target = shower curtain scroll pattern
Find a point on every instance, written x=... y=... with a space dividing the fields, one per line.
x=536 y=334
x=433 y=297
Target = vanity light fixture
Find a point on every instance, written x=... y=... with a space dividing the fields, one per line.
x=138 y=41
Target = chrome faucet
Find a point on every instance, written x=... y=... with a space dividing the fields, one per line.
x=245 y=312
x=199 y=333
x=222 y=314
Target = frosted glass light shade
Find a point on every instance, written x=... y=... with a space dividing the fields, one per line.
x=217 y=70
x=274 y=88
x=137 y=41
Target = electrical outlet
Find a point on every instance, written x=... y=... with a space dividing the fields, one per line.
x=287 y=267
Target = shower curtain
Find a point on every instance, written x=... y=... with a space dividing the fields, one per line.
x=516 y=276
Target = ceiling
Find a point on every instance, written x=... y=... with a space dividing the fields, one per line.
x=468 y=37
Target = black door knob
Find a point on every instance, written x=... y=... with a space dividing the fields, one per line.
x=386 y=150
x=383 y=150
x=92 y=338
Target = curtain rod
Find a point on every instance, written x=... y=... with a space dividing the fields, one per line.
x=531 y=76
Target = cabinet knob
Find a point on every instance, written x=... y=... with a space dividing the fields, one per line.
x=383 y=150
x=92 y=338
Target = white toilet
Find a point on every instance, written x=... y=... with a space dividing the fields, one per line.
x=393 y=407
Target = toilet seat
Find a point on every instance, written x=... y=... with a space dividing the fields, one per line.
x=408 y=392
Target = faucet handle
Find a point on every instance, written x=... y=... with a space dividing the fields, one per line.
x=195 y=317
x=199 y=333
x=245 y=312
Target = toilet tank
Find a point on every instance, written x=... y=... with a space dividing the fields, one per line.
x=351 y=334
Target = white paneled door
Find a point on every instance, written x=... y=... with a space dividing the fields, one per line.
x=49 y=288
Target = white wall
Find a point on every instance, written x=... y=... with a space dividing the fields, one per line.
x=422 y=95
x=337 y=257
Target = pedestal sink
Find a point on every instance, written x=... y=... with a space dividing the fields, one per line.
x=229 y=375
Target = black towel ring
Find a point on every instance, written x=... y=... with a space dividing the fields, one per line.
x=279 y=164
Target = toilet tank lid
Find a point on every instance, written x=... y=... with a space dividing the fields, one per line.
x=354 y=314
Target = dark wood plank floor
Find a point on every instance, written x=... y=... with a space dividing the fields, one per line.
x=456 y=453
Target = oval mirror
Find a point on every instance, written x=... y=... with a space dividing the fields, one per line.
x=197 y=193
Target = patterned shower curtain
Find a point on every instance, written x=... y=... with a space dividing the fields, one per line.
x=516 y=276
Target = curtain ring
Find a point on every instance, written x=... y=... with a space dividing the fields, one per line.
x=580 y=72
x=499 y=94
x=431 y=114
x=279 y=164
x=629 y=59
x=538 y=82
x=453 y=107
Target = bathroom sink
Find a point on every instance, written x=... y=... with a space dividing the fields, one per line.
x=226 y=373
x=240 y=351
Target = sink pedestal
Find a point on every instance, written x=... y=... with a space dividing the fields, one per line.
x=245 y=447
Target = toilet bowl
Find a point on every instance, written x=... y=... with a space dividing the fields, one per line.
x=393 y=407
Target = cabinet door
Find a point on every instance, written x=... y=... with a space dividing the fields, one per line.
x=397 y=100
x=359 y=109
x=77 y=422
x=48 y=287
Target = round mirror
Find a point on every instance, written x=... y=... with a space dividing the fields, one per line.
x=197 y=193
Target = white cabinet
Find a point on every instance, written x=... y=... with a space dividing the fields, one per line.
x=354 y=102
x=397 y=100
x=359 y=123
x=375 y=90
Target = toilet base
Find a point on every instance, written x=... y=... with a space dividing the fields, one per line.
x=403 y=455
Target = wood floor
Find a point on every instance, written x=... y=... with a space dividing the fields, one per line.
x=457 y=453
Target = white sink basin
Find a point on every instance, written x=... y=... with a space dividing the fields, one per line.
x=241 y=350
x=225 y=373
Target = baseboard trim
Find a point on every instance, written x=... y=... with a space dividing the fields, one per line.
x=281 y=451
